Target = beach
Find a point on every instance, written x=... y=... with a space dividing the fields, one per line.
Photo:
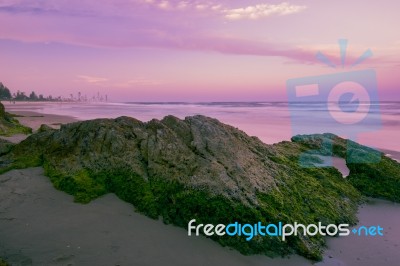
x=34 y=120
x=43 y=226
x=40 y=225
x=271 y=122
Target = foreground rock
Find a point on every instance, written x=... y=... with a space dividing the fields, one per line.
x=199 y=168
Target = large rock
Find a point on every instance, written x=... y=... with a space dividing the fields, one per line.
x=196 y=168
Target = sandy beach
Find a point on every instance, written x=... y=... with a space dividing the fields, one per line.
x=34 y=120
x=40 y=225
x=369 y=251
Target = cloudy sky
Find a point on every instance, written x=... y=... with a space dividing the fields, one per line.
x=166 y=50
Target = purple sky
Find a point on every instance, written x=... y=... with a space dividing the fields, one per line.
x=152 y=50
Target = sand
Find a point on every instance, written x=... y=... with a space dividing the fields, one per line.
x=40 y=225
x=369 y=251
x=43 y=226
x=34 y=120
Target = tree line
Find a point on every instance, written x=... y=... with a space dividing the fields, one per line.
x=5 y=94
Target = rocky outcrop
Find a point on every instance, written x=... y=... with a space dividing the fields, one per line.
x=45 y=128
x=9 y=125
x=196 y=168
x=5 y=146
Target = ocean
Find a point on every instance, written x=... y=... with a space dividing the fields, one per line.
x=377 y=124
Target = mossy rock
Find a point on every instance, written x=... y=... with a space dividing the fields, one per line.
x=5 y=146
x=199 y=168
x=45 y=128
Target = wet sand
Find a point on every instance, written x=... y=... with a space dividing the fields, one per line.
x=40 y=225
x=366 y=250
x=34 y=120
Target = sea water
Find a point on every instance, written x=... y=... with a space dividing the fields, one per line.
x=270 y=121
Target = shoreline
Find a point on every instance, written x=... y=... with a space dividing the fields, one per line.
x=270 y=123
x=34 y=120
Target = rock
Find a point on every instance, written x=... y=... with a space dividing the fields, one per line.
x=196 y=168
x=45 y=128
x=5 y=146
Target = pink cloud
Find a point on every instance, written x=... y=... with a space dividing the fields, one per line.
x=274 y=39
x=92 y=79
x=124 y=24
x=262 y=11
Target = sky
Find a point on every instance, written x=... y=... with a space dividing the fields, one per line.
x=166 y=50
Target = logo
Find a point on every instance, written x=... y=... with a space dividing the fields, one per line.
x=345 y=104
x=281 y=230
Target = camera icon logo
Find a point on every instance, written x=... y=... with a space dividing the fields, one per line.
x=345 y=104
